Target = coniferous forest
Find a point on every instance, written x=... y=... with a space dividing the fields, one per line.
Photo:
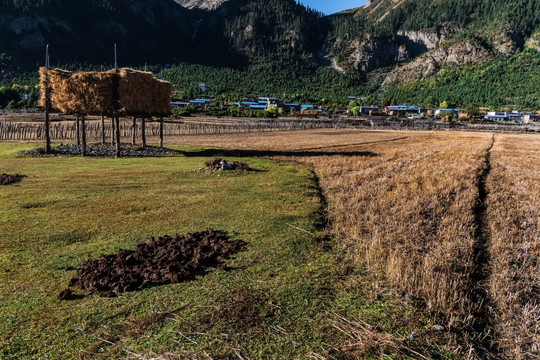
x=280 y=48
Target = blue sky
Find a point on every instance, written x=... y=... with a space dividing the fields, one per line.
x=332 y=6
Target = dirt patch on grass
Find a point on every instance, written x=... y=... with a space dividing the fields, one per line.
x=7 y=179
x=218 y=163
x=167 y=259
x=242 y=309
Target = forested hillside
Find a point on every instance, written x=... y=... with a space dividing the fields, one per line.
x=465 y=51
x=83 y=32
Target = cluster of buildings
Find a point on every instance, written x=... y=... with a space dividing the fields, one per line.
x=261 y=103
x=417 y=111
x=408 y=111
x=514 y=116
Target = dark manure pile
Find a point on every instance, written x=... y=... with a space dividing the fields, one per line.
x=165 y=260
x=7 y=179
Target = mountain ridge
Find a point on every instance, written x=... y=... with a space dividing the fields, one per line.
x=395 y=42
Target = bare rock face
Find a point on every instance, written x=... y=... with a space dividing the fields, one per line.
x=534 y=42
x=423 y=39
x=371 y=53
x=503 y=43
x=419 y=42
x=427 y=65
x=201 y=4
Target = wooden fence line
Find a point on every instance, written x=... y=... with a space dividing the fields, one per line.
x=66 y=131
x=63 y=131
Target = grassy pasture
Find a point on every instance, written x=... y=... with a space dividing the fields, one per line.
x=278 y=299
x=449 y=218
x=69 y=209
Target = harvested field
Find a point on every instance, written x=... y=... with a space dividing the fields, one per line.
x=165 y=260
x=513 y=209
x=450 y=218
x=7 y=179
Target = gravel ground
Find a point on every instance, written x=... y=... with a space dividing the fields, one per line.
x=103 y=151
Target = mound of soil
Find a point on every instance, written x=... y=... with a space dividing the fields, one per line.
x=7 y=179
x=218 y=163
x=168 y=259
x=98 y=150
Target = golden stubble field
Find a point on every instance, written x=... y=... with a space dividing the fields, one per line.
x=451 y=218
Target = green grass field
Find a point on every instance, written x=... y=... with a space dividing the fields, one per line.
x=276 y=299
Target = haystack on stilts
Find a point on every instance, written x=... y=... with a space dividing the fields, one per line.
x=123 y=92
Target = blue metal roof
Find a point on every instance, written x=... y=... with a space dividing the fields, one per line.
x=248 y=103
x=398 y=107
x=445 y=109
x=199 y=101
x=258 y=107
x=307 y=106
x=289 y=104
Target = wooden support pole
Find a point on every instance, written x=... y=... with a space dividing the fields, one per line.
x=161 y=132
x=112 y=131
x=47 y=104
x=78 y=130
x=117 y=135
x=47 y=128
x=143 y=132
x=83 y=128
x=134 y=134
x=102 y=130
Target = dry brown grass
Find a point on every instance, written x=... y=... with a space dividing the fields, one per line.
x=410 y=212
x=514 y=214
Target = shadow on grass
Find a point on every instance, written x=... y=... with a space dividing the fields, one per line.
x=272 y=153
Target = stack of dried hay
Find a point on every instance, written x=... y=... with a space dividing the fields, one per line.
x=92 y=93
x=135 y=91
x=161 y=103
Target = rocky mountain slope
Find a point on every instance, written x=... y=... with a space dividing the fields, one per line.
x=385 y=42
x=420 y=37
x=201 y=4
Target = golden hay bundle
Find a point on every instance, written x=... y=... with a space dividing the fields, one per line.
x=54 y=81
x=92 y=93
x=135 y=89
x=43 y=86
x=161 y=98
